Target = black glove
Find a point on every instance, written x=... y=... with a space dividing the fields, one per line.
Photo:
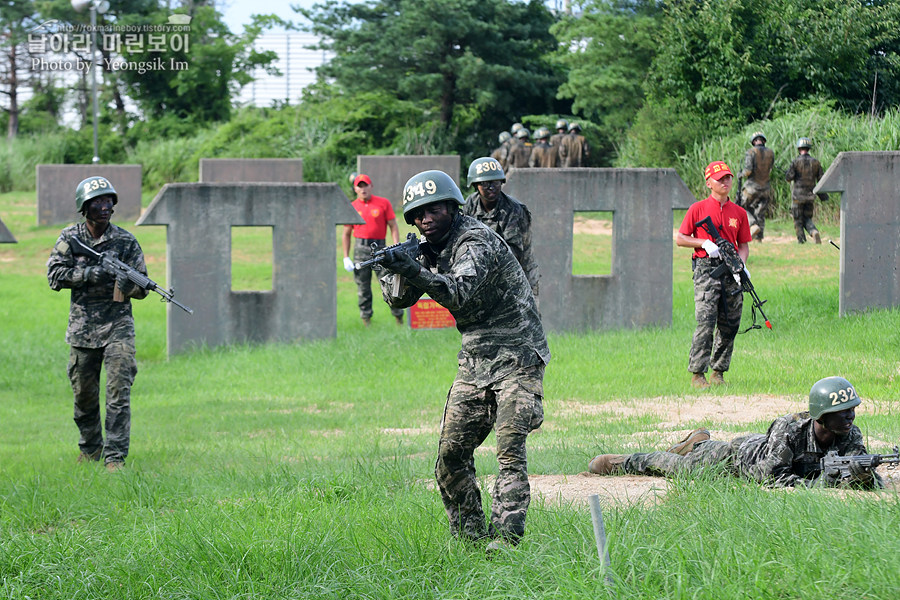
x=94 y=275
x=401 y=263
x=126 y=286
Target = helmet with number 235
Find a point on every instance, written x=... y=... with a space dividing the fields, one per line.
x=92 y=187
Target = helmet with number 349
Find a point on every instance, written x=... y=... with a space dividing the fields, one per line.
x=832 y=394
x=92 y=187
x=428 y=187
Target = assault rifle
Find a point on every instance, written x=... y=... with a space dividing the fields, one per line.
x=834 y=465
x=410 y=247
x=739 y=194
x=116 y=267
x=732 y=263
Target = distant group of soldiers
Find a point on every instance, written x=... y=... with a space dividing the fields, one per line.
x=755 y=195
x=565 y=148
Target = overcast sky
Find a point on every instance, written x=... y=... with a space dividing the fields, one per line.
x=237 y=12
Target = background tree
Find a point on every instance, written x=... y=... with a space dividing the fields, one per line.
x=16 y=17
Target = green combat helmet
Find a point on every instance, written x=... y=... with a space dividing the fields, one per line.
x=804 y=143
x=757 y=134
x=523 y=134
x=573 y=126
x=485 y=169
x=832 y=394
x=426 y=188
x=515 y=128
x=92 y=187
x=542 y=134
x=562 y=124
x=505 y=137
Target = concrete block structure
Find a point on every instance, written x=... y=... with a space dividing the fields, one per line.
x=56 y=191
x=639 y=290
x=870 y=228
x=252 y=170
x=390 y=173
x=6 y=236
x=302 y=303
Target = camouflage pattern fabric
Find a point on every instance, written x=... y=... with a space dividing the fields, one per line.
x=363 y=278
x=501 y=154
x=100 y=332
x=803 y=214
x=757 y=192
x=573 y=150
x=500 y=370
x=787 y=455
x=511 y=220
x=543 y=156
x=804 y=172
x=519 y=154
x=718 y=312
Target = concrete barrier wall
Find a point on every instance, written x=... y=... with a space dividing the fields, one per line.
x=639 y=290
x=255 y=170
x=870 y=228
x=6 y=237
x=56 y=191
x=303 y=301
x=390 y=173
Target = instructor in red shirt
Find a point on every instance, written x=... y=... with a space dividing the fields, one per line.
x=718 y=303
x=378 y=215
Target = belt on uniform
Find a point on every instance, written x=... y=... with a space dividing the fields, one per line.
x=369 y=241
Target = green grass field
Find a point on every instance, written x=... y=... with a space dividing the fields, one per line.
x=305 y=471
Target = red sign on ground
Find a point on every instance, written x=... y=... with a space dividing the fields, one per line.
x=428 y=314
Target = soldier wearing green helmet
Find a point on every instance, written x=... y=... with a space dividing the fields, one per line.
x=805 y=171
x=470 y=270
x=756 y=191
x=543 y=155
x=501 y=153
x=520 y=150
x=101 y=326
x=503 y=214
x=562 y=128
x=789 y=454
x=574 y=150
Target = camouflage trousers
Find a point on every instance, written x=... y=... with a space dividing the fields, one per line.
x=514 y=407
x=803 y=214
x=363 y=279
x=84 y=375
x=756 y=203
x=708 y=454
x=718 y=304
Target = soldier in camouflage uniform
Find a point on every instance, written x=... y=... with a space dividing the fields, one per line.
x=543 y=155
x=574 y=150
x=101 y=327
x=789 y=454
x=756 y=194
x=501 y=154
x=469 y=269
x=503 y=214
x=556 y=139
x=804 y=172
x=520 y=150
x=718 y=303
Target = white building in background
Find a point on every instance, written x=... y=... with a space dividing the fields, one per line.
x=296 y=63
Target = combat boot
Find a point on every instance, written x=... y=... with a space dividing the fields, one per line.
x=92 y=457
x=754 y=230
x=607 y=464
x=366 y=321
x=717 y=378
x=817 y=236
x=114 y=466
x=687 y=444
x=699 y=381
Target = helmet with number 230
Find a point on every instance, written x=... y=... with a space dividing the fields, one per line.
x=428 y=187
x=832 y=394
x=485 y=169
x=92 y=187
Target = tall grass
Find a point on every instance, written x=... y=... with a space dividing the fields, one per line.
x=304 y=470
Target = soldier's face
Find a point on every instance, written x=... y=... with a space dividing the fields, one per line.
x=839 y=423
x=433 y=220
x=489 y=190
x=99 y=209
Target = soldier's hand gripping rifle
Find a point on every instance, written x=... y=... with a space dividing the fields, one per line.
x=410 y=247
x=847 y=468
x=116 y=267
x=732 y=263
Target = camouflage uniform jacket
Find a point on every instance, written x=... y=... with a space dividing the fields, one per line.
x=789 y=454
x=544 y=156
x=573 y=150
x=511 y=220
x=477 y=278
x=805 y=171
x=758 y=163
x=95 y=320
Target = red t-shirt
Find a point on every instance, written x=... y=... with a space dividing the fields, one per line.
x=729 y=218
x=376 y=213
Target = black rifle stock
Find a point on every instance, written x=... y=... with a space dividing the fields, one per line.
x=840 y=466
x=116 y=267
x=732 y=263
x=410 y=247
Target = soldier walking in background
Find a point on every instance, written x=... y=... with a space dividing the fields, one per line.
x=562 y=127
x=543 y=155
x=378 y=215
x=804 y=172
x=101 y=325
x=501 y=153
x=470 y=270
x=503 y=214
x=573 y=150
x=520 y=150
x=756 y=193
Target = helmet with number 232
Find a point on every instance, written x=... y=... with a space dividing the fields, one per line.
x=485 y=169
x=428 y=187
x=832 y=394
x=92 y=187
